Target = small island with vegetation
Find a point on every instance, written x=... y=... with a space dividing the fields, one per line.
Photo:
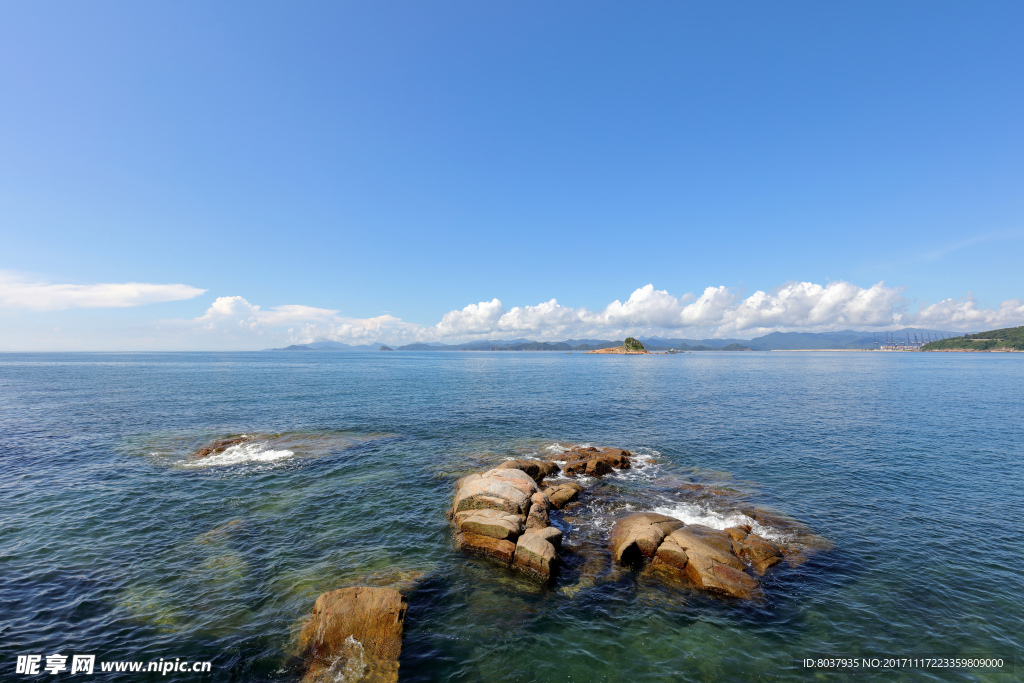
x=1006 y=339
x=630 y=346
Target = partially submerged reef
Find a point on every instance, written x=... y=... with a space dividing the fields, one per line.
x=529 y=515
x=567 y=517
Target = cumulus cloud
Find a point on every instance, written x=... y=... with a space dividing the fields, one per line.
x=810 y=307
x=18 y=292
x=292 y=323
x=964 y=313
x=717 y=311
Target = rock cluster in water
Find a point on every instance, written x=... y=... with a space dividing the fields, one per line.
x=710 y=559
x=354 y=634
x=502 y=513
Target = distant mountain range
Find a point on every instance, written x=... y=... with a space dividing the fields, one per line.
x=776 y=341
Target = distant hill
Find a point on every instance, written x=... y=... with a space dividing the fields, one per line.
x=776 y=341
x=330 y=346
x=845 y=339
x=1006 y=338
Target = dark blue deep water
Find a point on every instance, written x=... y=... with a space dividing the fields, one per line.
x=113 y=543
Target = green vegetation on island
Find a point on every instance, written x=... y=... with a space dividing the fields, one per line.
x=632 y=344
x=1009 y=338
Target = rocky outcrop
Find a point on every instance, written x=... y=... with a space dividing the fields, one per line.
x=594 y=462
x=507 y=490
x=486 y=546
x=536 y=555
x=537 y=469
x=640 y=534
x=711 y=564
x=501 y=514
x=709 y=559
x=354 y=634
x=488 y=522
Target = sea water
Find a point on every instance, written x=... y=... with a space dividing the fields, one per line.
x=113 y=542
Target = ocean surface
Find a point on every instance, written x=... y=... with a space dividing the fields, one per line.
x=114 y=543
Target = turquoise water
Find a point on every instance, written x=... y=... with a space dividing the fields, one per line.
x=112 y=544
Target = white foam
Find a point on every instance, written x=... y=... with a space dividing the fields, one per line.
x=691 y=513
x=242 y=453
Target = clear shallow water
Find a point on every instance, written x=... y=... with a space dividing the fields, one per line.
x=111 y=544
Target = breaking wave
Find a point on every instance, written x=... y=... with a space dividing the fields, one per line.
x=250 y=452
x=692 y=513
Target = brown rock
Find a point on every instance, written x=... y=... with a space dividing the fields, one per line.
x=669 y=553
x=561 y=495
x=486 y=546
x=536 y=556
x=618 y=458
x=736 y=533
x=355 y=632
x=528 y=466
x=548 y=468
x=640 y=534
x=508 y=490
x=711 y=564
x=574 y=467
x=537 y=469
x=493 y=523
x=759 y=552
x=549 y=534
x=538 y=517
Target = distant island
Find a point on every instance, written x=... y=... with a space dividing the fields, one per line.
x=1006 y=339
x=384 y=347
x=629 y=346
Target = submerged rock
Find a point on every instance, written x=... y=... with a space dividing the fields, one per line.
x=759 y=552
x=354 y=634
x=219 y=446
x=221 y=532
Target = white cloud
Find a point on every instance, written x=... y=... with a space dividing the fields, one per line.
x=18 y=292
x=474 y=319
x=811 y=307
x=233 y=322
x=964 y=313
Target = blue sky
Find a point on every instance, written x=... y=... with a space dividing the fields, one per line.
x=359 y=171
